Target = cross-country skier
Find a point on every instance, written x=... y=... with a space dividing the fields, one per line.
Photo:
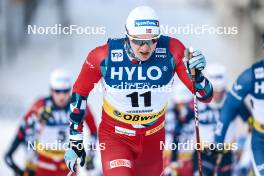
x=47 y=122
x=136 y=72
x=208 y=116
x=249 y=82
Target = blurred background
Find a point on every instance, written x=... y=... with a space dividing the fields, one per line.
x=26 y=60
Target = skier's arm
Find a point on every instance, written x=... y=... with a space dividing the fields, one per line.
x=244 y=112
x=90 y=74
x=233 y=103
x=9 y=155
x=20 y=136
x=204 y=90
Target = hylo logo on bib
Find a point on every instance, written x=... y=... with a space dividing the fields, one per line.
x=152 y=73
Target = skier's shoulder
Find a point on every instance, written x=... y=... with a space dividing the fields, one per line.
x=99 y=51
x=175 y=44
x=176 y=48
x=115 y=40
x=40 y=103
x=96 y=56
x=243 y=84
x=258 y=69
x=258 y=64
x=245 y=78
x=116 y=45
x=35 y=107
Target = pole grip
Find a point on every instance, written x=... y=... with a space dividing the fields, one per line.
x=191 y=50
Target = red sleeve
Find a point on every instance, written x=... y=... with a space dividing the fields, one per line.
x=33 y=110
x=177 y=50
x=90 y=73
x=89 y=120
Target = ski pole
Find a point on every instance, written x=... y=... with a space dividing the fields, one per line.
x=218 y=161
x=77 y=170
x=70 y=173
x=196 y=118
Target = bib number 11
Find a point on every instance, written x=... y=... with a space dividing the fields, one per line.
x=135 y=96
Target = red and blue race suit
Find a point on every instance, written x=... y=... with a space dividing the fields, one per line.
x=31 y=131
x=135 y=99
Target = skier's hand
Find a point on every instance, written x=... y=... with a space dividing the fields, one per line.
x=45 y=114
x=194 y=60
x=75 y=151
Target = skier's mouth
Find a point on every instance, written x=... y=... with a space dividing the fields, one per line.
x=144 y=54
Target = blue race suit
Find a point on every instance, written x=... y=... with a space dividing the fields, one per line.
x=250 y=82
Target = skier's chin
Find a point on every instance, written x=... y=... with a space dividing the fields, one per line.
x=62 y=103
x=144 y=56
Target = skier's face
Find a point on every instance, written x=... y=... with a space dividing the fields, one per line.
x=218 y=96
x=143 y=48
x=61 y=97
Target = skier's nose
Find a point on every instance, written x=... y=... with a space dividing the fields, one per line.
x=145 y=48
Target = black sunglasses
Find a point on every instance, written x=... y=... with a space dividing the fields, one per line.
x=142 y=42
x=65 y=91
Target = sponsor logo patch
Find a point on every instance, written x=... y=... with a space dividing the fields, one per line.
x=89 y=64
x=125 y=131
x=117 y=55
x=117 y=113
x=146 y=23
x=237 y=87
x=120 y=163
x=141 y=118
x=259 y=73
x=160 y=50
x=121 y=73
x=154 y=130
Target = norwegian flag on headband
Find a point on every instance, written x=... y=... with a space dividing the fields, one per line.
x=148 y=31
